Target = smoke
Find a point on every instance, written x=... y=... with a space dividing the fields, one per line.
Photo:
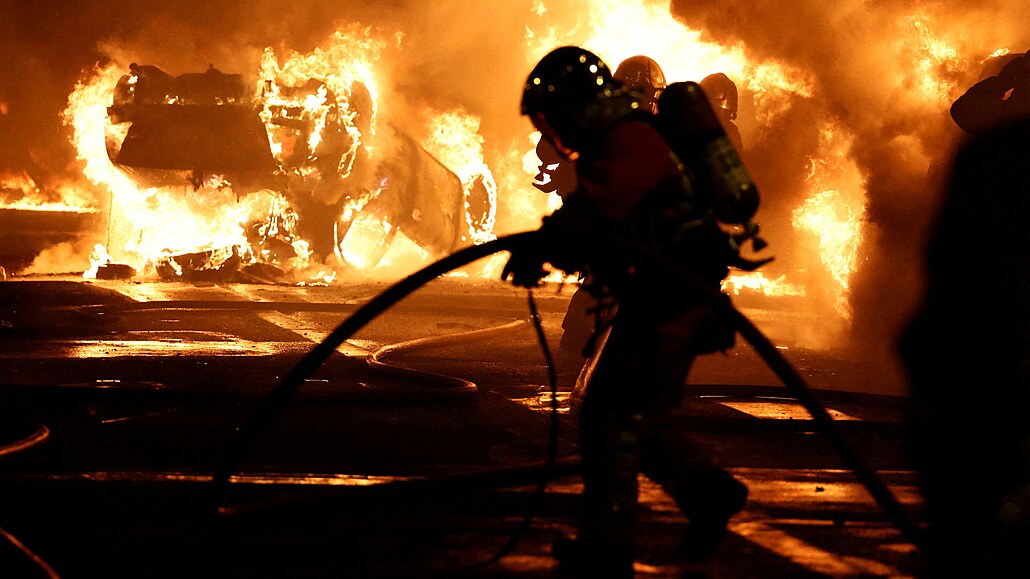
x=865 y=59
x=67 y=256
x=862 y=61
x=443 y=55
x=450 y=53
x=440 y=56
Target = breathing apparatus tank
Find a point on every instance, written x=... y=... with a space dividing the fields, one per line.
x=692 y=129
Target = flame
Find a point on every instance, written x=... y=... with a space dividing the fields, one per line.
x=739 y=283
x=346 y=63
x=155 y=224
x=19 y=191
x=531 y=166
x=362 y=245
x=455 y=141
x=302 y=99
x=86 y=114
x=151 y=224
x=98 y=258
x=834 y=211
x=837 y=224
x=937 y=66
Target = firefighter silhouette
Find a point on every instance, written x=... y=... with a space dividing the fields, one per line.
x=641 y=73
x=722 y=93
x=966 y=352
x=645 y=77
x=629 y=185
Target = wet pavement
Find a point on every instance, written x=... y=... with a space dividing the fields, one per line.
x=119 y=399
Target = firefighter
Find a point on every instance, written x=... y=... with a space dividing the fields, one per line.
x=637 y=73
x=722 y=93
x=642 y=73
x=629 y=187
x=966 y=351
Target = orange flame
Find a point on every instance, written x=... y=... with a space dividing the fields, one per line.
x=151 y=224
x=456 y=142
x=937 y=64
x=335 y=84
x=834 y=211
x=739 y=283
x=347 y=62
x=19 y=191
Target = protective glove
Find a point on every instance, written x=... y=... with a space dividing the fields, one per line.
x=565 y=240
x=525 y=267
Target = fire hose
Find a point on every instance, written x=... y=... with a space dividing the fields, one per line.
x=785 y=371
x=452 y=385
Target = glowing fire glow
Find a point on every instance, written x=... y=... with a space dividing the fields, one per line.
x=838 y=227
x=738 y=283
x=19 y=191
x=937 y=64
x=834 y=211
x=337 y=88
x=97 y=259
x=345 y=67
x=301 y=98
x=151 y=223
x=616 y=30
x=456 y=142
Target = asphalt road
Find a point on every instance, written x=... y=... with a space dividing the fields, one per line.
x=425 y=467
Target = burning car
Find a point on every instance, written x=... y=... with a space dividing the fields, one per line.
x=334 y=182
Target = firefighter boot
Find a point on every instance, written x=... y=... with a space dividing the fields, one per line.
x=712 y=502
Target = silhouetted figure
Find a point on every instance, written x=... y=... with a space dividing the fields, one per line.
x=630 y=187
x=997 y=99
x=642 y=75
x=722 y=93
x=967 y=353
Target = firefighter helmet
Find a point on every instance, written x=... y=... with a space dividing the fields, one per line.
x=566 y=75
x=558 y=93
x=721 y=93
x=643 y=74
